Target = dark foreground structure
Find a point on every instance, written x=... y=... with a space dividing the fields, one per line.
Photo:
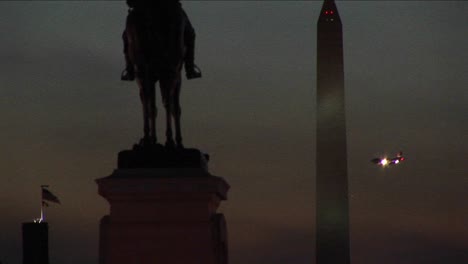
x=35 y=243
x=332 y=244
x=161 y=212
x=163 y=201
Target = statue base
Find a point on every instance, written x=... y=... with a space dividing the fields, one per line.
x=163 y=216
x=163 y=209
x=159 y=156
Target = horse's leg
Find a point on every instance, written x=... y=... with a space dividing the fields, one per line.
x=177 y=111
x=143 y=98
x=152 y=111
x=165 y=86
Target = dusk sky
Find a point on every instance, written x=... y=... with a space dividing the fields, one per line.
x=65 y=115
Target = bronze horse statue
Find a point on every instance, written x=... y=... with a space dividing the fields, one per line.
x=154 y=45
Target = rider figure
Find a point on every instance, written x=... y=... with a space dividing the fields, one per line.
x=191 y=70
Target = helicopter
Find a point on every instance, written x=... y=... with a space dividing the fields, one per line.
x=389 y=161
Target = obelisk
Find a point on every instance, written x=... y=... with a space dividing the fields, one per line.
x=332 y=244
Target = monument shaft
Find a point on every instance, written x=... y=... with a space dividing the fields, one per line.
x=332 y=213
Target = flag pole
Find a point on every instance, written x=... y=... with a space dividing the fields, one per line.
x=42 y=213
x=42 y=203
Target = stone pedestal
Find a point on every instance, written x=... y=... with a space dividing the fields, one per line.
x=163 y=216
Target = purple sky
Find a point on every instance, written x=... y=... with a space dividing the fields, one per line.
x=65 y=115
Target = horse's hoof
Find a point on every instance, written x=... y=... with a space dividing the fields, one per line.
x=170 y=144
x=147 y=141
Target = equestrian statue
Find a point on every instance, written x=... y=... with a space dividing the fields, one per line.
x=158 y=41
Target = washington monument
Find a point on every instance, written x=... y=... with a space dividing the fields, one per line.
x=332 y=244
